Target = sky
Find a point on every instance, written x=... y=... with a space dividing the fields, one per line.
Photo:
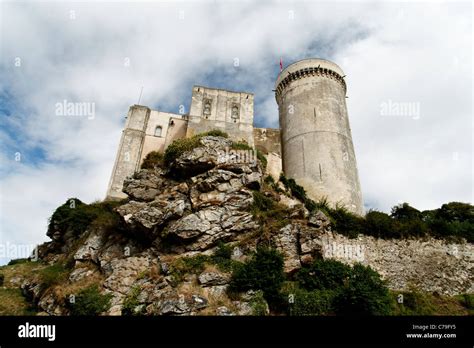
x=408 y=71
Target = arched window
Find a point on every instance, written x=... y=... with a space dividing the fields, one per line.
x=158 y=130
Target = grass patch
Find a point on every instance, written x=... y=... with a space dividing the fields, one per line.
x=131 y=303
x=416 y=303
x=52 y=275
x=90 y=301
x=12 y=302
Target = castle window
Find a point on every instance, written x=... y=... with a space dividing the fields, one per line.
x=207 y=108
x=235 y=113
x=158 y=131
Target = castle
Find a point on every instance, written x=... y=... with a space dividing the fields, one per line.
x=313 y=145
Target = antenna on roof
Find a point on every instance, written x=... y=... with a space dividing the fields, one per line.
x=140 y=97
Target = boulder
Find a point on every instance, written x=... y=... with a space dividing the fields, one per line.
x=286 y=241
x=207 y=279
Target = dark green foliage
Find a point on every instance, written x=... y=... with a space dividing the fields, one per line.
x=269 y=180
x=90 y=301
x=347 y=223
x=404 y=212
x=264 y=271
x=194 y=264
x=2 y=279
x=298 y=192
x=323 y=274
x=76 y=216
x=131 y=303
x=261 y=202
x=329 y=286
x=364 y=294
x=152 y=160
x=381 y=225
x=467 y=300
x=317 y=302
x=180 y=146
x=453 y=219
x=222 y=258
x=258 y=304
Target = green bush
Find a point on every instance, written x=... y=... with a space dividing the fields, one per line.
x=130 y=303
x=77 y=216
x=317 y=302
x=262 y=202
x=456 y=211
x=404 y=211
x=152 y=160
x=381 y=225
x=2 y=279
x=347 y=223
x=298 y=192
x=323 y=274
x=264 y=271
x=272 y=214
x=364 y=294
x=90 y=301
x=222 y=258
x=258 y=304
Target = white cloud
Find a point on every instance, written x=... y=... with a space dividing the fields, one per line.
x=390 y=51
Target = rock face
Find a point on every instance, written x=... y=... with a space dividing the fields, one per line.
x=209 y=207
x=205 y=198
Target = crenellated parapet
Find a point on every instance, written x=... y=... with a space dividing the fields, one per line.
x=309 y=72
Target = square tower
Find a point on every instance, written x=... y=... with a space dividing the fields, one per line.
x=231 y=112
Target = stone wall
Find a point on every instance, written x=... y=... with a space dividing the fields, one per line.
x=267 y=140
x=430 y=265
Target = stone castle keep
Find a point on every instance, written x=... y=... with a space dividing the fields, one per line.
x=313 y=145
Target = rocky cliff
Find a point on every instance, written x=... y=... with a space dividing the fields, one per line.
x=159 y=252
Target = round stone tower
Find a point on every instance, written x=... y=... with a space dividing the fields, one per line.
x=316 y=137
